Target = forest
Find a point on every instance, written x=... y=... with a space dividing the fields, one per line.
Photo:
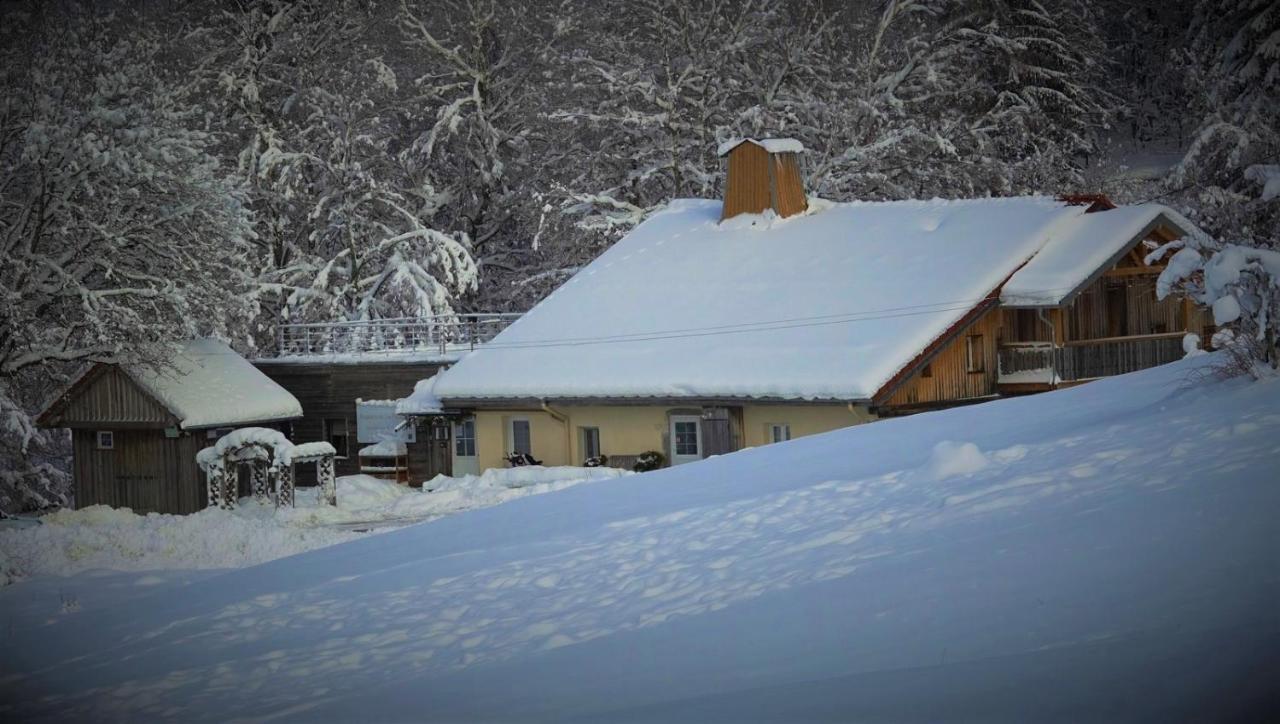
x=171 y=168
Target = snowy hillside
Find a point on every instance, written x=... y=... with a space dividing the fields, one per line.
x=1107 y=551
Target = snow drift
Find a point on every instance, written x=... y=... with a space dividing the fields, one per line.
x=116 y=539
x=1103 y=552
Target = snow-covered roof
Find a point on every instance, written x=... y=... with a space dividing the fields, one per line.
x=1079 y=251
x=210 y=385
x=772 y=145
x=829 y=304
x=384 y=449
x=422 y=401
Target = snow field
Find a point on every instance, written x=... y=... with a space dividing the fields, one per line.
x=1059 y=555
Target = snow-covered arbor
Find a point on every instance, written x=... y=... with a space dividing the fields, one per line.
x=271 y=459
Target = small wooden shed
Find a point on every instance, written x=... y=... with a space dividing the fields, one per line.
x=136 y=431
x=762 y=175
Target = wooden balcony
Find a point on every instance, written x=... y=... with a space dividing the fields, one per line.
x=423 y=335
x=1028 y=366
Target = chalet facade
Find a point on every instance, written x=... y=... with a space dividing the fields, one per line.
x=718 y=325
x=136 y=431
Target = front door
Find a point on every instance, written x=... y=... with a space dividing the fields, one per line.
x=465 y=461
x=686 y=439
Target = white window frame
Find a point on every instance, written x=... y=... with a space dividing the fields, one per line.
x=774 y=428
x=677 y=459
x=511 y=434
x=110 y=438
x=459 y=437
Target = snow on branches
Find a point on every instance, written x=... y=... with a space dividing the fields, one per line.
x=118 y=233
x=1241 y=284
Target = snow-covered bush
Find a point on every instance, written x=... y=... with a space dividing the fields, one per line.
x=650 y=460
x=1241 y=284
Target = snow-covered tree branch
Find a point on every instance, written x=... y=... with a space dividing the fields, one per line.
x=119 y=234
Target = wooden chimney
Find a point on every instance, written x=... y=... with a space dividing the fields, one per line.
x=763 y=174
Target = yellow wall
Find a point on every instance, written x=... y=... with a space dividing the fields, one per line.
x=803 y=419
x=630 y=430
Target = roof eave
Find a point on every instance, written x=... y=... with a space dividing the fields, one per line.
x=238 y=423
x=521 y=402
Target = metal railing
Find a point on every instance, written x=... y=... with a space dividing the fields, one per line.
x=1090 y=358
x=454 y=333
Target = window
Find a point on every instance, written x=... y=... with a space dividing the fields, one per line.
x=106 y=440
x=779 y=432
x=686 y=442
x=590 y=442
x=464 y=438
x=519 y=436
x=927 y=370
x=335 y=432
x=973 y=353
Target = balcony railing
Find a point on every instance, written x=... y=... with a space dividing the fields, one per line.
x=1044 y=362
x=441 y=335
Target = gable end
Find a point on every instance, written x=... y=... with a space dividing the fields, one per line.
x=106 y=395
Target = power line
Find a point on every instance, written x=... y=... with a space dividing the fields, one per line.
x=761 y=326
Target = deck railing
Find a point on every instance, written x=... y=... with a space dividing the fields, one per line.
x=455 y=333
x=1088 y=359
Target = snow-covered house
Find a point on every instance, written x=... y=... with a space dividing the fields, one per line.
x=706 y=329
x=136 y=430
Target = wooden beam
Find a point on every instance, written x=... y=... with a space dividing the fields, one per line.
x=1133 y=271
x=1126 y=338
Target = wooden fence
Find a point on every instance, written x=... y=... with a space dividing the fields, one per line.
x=1092 y=358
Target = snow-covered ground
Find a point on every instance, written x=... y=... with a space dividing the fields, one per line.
x=1100 y=553
x=99 y=538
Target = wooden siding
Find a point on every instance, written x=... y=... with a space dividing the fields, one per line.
x=1025 y=325
x=758 y=180
x=146 y=471
x=330 y=391
x=747 y=183
x=110 y=396
x=1110 y=307
x=1125 y=306
x=950 y=378
x=788 y=188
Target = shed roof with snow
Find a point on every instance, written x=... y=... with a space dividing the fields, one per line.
x=207 y=384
